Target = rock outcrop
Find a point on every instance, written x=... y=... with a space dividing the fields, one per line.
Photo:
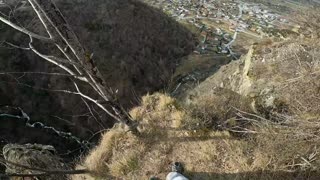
x=34 y=156
x=275 y=77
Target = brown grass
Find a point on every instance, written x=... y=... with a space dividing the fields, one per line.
x=159 y=111
x=270 y=150
x=117 y=155
x=310 y=22
x=215 y=110
x=290 y=72
x=96 y=160
x=279 y=120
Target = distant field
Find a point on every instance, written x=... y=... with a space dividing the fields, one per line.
x=287 y=6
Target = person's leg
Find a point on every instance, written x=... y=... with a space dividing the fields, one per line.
x=176 y=174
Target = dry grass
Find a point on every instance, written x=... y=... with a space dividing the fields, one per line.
x=289 y=72
x=286 y=149
x=158 y=110
x=117 y=155
x=282 y=150
x=215 y=110
x=310 y=22
x=279 y=120
x=198 y=62
x=97 y=158
x=121 y=154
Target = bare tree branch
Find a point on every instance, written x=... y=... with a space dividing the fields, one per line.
x=94 y=117
x=25 y=31
x=54 y=61
x=16 y=46
x=47 y=9
x=43 y=73
x=66 y=135
x=95 y=102
x=77 y=60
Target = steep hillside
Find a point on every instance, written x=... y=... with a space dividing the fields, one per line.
x=251 y=114
x=136 y=48
x=255 y=118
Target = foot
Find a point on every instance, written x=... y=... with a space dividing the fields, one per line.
x=177 y=167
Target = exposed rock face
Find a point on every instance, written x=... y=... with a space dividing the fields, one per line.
x=275 y=77
x=34 y=156
x=136 y=48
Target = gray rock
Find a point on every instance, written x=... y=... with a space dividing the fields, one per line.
x=33 y=156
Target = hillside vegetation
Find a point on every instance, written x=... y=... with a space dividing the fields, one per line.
x=256 y=118
x=136 y=48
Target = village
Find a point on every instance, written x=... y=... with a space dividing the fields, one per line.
x=218 y=21
x=225 y=30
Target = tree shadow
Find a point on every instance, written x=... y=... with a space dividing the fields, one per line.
x=136 y=47
x=196 y=138
x=170 y=134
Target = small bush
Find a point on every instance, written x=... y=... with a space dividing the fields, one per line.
x=290 y=146
x=158 y=111
x=215 y=111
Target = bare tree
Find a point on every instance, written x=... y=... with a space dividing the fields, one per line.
x=75 y=59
